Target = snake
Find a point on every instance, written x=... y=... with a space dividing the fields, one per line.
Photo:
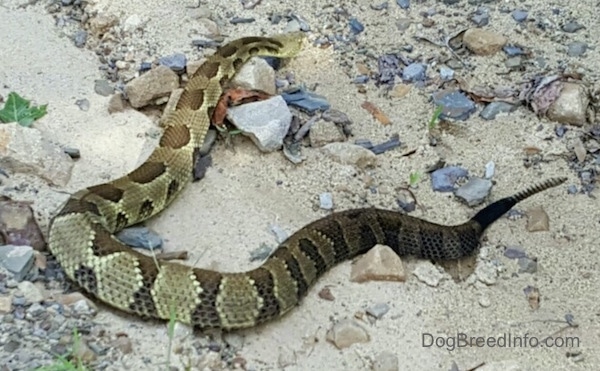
x=82 y=234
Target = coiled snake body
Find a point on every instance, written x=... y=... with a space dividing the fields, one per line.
x=81 y=234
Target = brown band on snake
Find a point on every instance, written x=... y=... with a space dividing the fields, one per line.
x=107 y=191
x=81 y=233
x=147 y=172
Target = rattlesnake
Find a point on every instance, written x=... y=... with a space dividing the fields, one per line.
x=81 y=234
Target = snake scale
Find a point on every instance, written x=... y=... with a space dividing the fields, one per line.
x=81 y=235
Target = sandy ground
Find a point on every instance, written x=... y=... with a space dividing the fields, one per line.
x=228 y=214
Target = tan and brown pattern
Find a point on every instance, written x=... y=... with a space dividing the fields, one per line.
x=81 y=235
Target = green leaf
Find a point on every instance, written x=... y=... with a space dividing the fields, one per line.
x=17 y=109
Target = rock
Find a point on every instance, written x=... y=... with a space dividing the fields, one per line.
x=156 y=83
x=485 y=301
x=571 y=105
x=490 y=169
x=306 y=100
x=380 y=263
x=486 y=272
x=83 y=104
x=18 y=225
x=261 y=253
x=132 y=23
x=493 y=109
x=25 y=150
x=279 y=233
x=83 y=307
x=580 y=150
x=386 y=361
x=514 y=252
x=347 y=332
x=116 y=103
x=175 y=62
x=75 y=298
x=18 y=260
x=443 y=180
x=514 y=63
x=455 y=104
x=83 y=352
x=533 y=296
x=481 y=17
x=414 y=72
x=378 y=310
x=393 y=142
x=475 y=191
x=519 y=15
x=103 y=88
x=446 y=73
x=5 y=304
x=527 y=265
x=139 y=236
x=323 y=132
x=336 y=116
x=80 y=38
x=256 y=74
x=483 y=42
x=428 y=273
x=266 y=122
x=350 y=154
x=31 y=292
x=209 y=29
x=401 y=90
x=326 y=201
x=123 y=343
x=572 y=26
x=101 y=24
x=537 y=220
x=576 y=49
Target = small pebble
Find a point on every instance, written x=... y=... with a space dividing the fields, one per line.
x=519 y=15
x=404 y=4
x=572 y=26
x=140 y=237
x=481 y=17
x=527 y=265
x=444 y=179
x=102 y=87
x=456 y=105
x=83 y=104
x=378 y=310
x=390 y=144
x=355 y=26
x=176 y=62
x=80 y=38
x=326 y=201
x=514 y=252
x=446 y=73
x=490 y=169
x=576 y=49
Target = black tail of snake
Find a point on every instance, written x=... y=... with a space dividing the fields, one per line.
x=81 y=234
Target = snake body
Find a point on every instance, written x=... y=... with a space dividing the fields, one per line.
x=81 y=235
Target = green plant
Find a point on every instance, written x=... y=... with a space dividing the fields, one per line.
x=435 y=117
x=63 y=363
x=17 y=109
x=413 y=179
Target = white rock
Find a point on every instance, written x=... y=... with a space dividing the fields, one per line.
x=347 y=332
x=25 y=150
x=266 y=122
